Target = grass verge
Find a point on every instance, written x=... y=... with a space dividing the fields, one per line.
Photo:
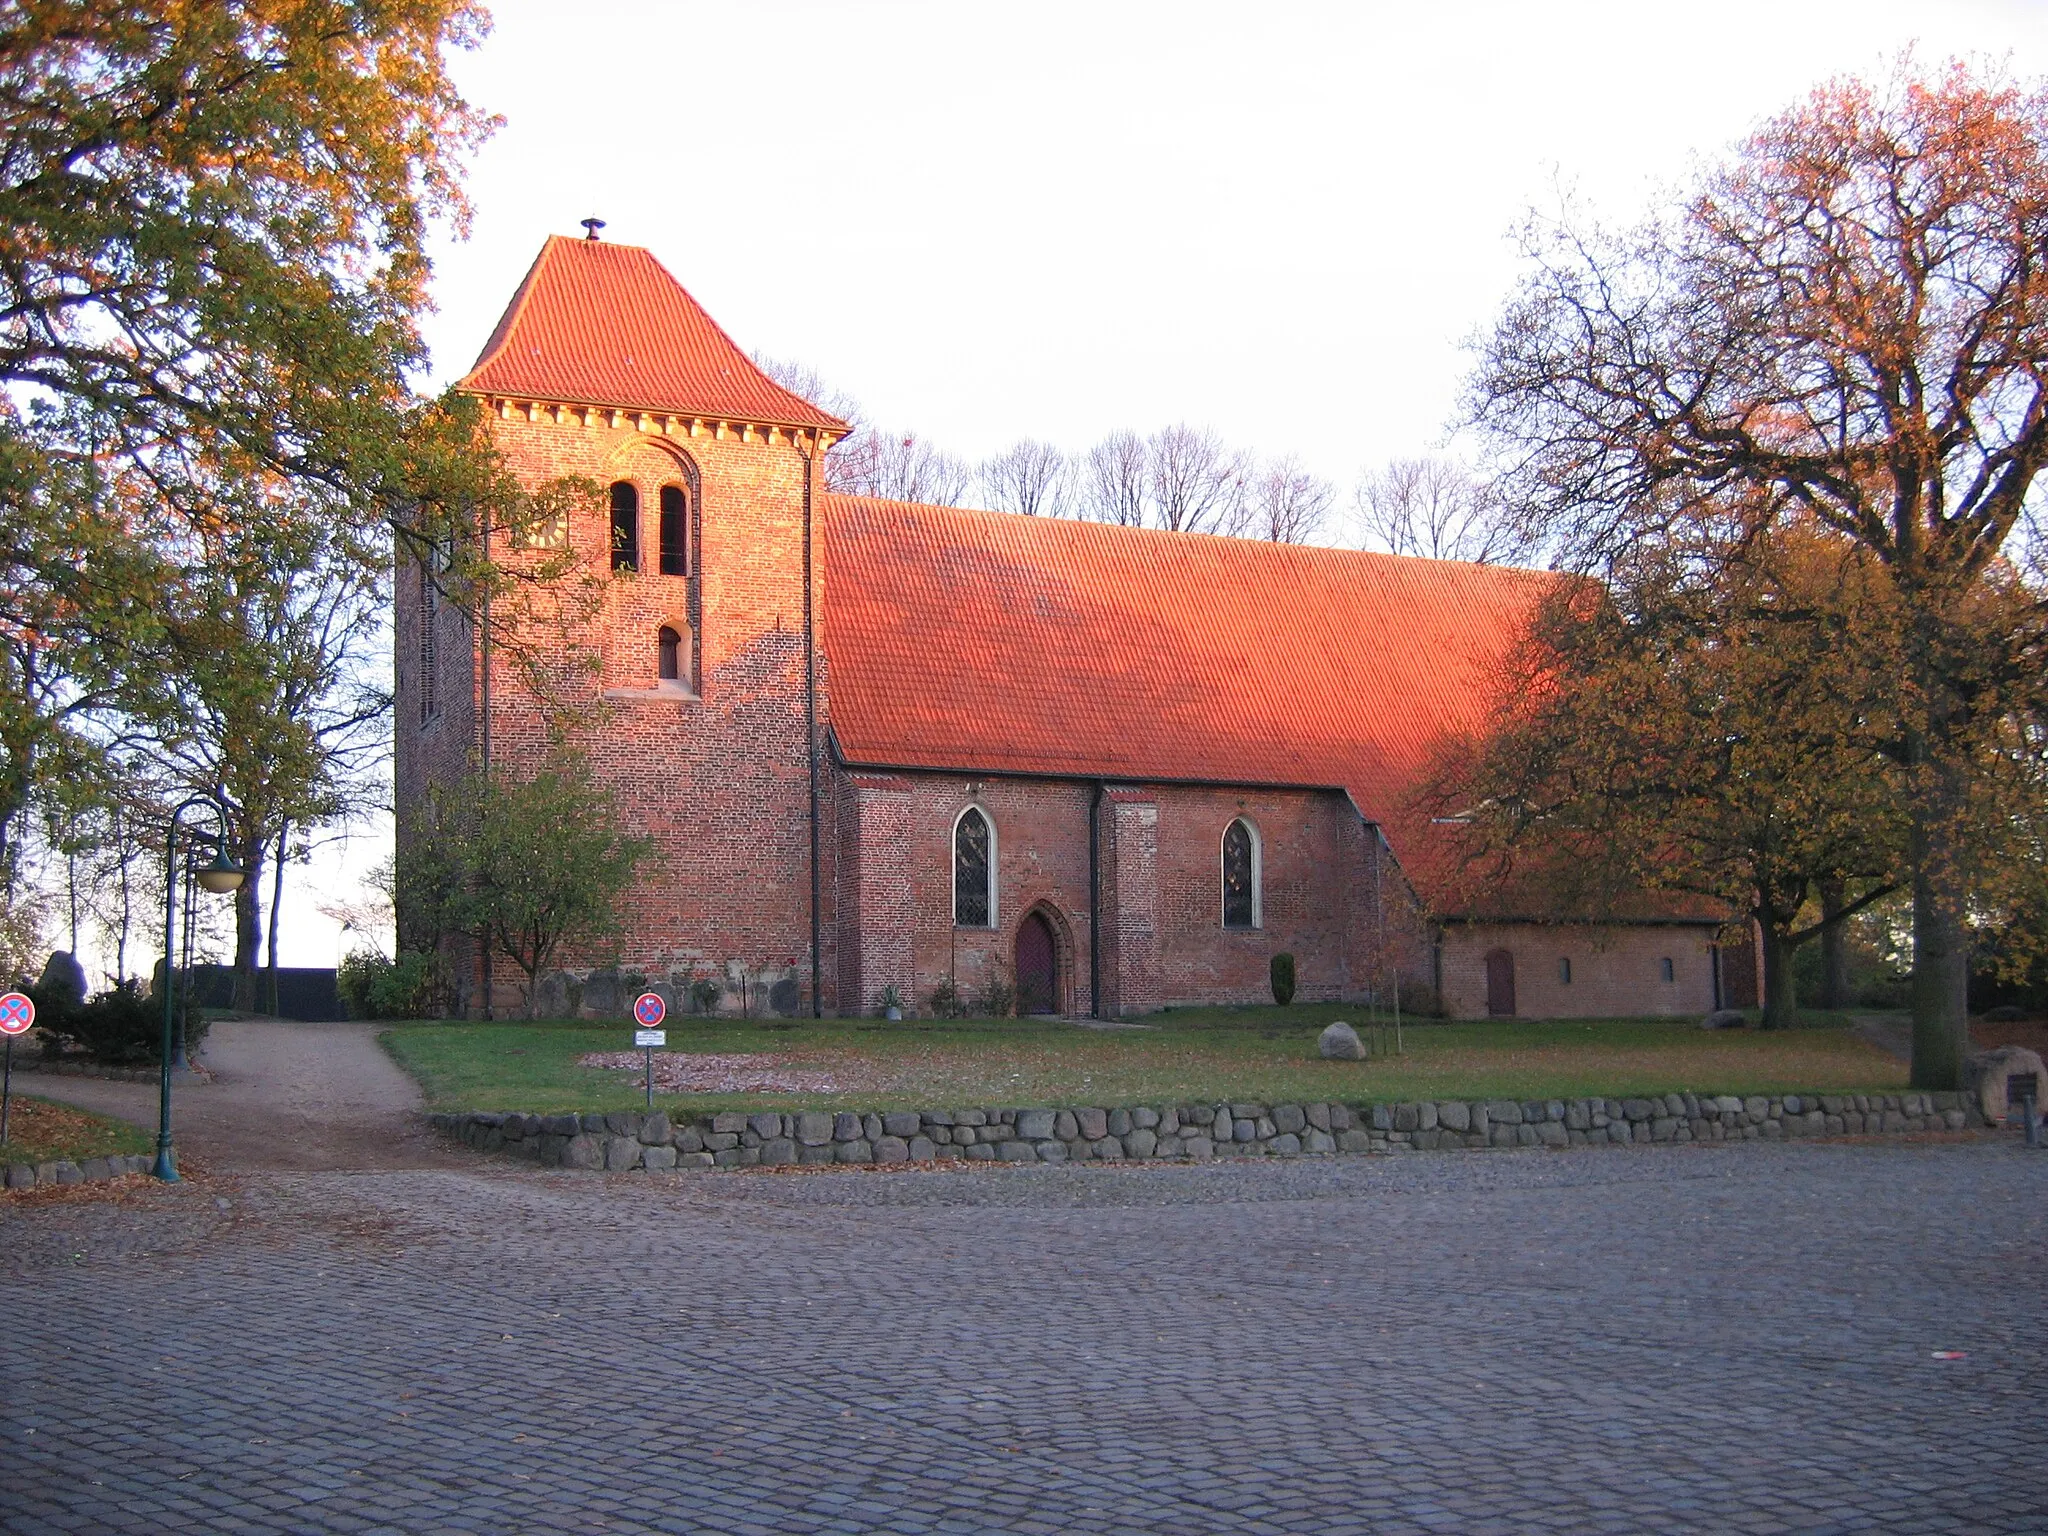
x=1184 y=1056
x=41 y=1131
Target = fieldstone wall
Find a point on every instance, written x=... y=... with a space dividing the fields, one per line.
x=1190 y=1132
x=65 y=1171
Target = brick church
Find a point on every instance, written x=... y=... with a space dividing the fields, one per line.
x=888 y=752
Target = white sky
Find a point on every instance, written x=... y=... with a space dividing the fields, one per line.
x=993 y=221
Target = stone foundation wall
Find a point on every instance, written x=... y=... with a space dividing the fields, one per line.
x=1198 y=1132
x=65 y=1171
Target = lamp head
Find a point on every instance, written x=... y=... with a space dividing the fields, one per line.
x=222 y=875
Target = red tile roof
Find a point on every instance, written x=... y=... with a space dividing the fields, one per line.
x=993 y=642
x=596 y=323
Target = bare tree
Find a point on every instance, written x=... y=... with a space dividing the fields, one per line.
x=802 y=380
x=1287 y=504
x=1033 y=478
x=1436 y=509
x=898 y=468
x=1113 y=481
x=1194 y=483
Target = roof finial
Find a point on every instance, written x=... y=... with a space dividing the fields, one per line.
x=591 y=226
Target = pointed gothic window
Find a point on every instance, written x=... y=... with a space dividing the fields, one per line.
x=675 y=531
x=1240 y=876
x=670 y=645
x=974 y=904
x=625 y=527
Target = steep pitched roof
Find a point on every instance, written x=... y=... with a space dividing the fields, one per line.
x=993 y=642
x=596 y=323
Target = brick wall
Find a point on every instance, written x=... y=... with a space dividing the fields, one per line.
x=1615 y=971
x=1162 y=935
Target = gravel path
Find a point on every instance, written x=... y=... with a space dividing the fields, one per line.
x=284 y=1095
x=1735 y=1338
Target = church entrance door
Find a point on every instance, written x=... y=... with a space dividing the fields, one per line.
x=1500 y=984
x=1038 y=976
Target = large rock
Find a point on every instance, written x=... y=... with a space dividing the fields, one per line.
x=605 y=995
x=63 y=981
x=1986 y=1073
x=557 y=995
x=1340 y=1042
x=1724 y=1018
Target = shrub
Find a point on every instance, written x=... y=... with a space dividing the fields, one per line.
x=373 y=987
x=705 y=993
x=119 y=1028
x=997 y=1000
x=945 y=1000
x=1283 y=978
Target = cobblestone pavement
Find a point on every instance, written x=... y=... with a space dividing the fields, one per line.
x=1717 y=1339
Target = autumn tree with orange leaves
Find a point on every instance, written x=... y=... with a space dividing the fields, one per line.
x=1846 y=322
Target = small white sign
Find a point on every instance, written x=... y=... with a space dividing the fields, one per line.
x=646 y=1037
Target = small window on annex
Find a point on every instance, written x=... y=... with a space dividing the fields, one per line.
x=670 y=646
x=974 y=896
x=675 y=531
x=1240 y=875
x=1667 y=969
x=1564 y=969
x=625 y=527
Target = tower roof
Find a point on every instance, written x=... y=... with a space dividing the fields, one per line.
x=596 y=323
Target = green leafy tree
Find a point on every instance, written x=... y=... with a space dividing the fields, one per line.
x=537 y=865
x=1844 y=322
x=1697 y=728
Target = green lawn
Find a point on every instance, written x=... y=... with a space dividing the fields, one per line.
x=1186 y=1056
x=39 y=1131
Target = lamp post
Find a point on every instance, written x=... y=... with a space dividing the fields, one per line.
x=220 y=877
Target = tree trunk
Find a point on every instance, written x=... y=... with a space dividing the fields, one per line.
x=1781 y=995
x=1941 y=980
x=248 y=923
x=1834 y=946
x=1941 y=944
x=276 y=902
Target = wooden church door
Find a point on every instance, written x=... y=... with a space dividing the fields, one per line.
x=1037 y=968
x=1500 y=984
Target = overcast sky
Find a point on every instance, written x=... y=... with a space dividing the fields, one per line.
x=994 y=221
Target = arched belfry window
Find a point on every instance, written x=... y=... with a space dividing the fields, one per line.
x=625 y=527
x=974 y=862
x=670 y=645
x=675 y=531
x=1240 y=875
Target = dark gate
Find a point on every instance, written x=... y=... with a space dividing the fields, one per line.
x=1500 y=984
x=1038 y=972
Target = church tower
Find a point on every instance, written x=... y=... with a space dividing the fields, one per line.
x=686 y=640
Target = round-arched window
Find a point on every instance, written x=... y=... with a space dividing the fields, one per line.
x=1240 y=875
x=625 y=527
x=670 y=646
x=974 y=897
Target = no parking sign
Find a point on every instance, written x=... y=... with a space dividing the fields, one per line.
x=648 y=1012
x=17 y=1012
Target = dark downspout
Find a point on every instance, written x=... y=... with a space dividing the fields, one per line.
x=1095 y=900
x=484 y=708
x=811 y=742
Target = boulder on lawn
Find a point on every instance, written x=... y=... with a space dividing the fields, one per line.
x=1724 y=1018
x=1340 y=1042
x=63 y=981
x=1986 y=1073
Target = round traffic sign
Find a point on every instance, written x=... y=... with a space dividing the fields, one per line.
x=649 y=1010
x=17 y=1012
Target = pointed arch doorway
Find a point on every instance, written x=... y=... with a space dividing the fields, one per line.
x=1038 y=966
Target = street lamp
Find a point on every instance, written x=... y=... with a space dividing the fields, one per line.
x=220 y=877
